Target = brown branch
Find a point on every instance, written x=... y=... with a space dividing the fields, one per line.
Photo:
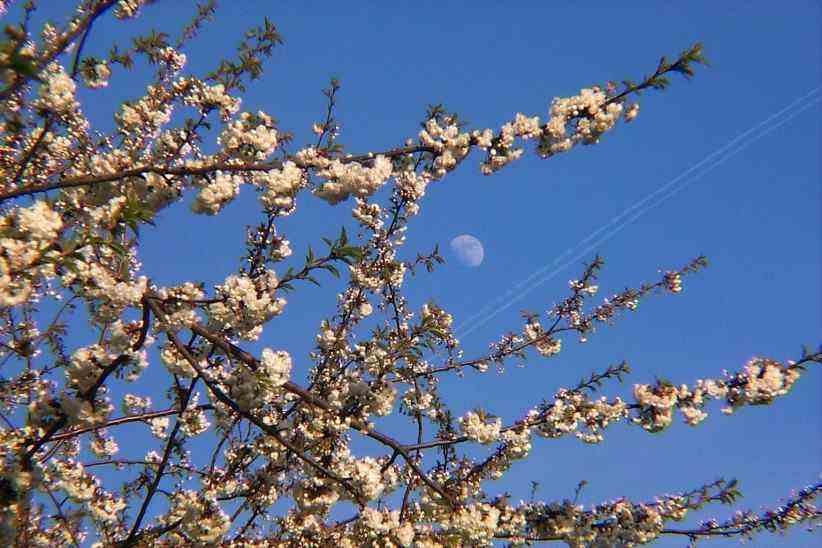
x=815 y=357
x=128 y=462
x=125 y=420
x=158 y=475
x=73 y=182
x=60 y=514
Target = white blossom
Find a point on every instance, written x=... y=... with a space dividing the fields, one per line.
x=477 y=429
x=276 y=366
x=57 y=92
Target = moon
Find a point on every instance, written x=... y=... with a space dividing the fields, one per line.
x=468 y=249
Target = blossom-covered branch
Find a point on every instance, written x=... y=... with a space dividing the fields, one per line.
x=227 y=429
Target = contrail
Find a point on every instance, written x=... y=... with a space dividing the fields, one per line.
x=712 y=160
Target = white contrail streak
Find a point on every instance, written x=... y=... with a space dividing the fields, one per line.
x=667 y=190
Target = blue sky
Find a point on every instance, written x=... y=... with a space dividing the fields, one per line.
x=755 y=214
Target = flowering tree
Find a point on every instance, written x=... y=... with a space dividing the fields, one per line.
x=73 y=200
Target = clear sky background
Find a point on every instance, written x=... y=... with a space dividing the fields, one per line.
x=752 y=207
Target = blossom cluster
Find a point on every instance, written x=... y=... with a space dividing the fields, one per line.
x=593 y=111
x=543 y=344
x=280 y=185
x=217 y=193
x=71 y=477
x=760 y=382
x=58 y=90
x=246 y=304
x=27 y=253
x=346 y=179
x=275 y=366
x=94 y=274
x=96 y=75
x=207 y=97
x=450 y=145
x=377 y=525
x=127 y=9
x=249 y=138
x=202 y=519
x=617 y=523
x=147 y=115
x=573 y=411
x=476 y=428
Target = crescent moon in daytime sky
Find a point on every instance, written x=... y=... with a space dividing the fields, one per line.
x=468 y=249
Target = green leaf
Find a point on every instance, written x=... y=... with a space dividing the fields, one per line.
x=23 y=65
x=352 y=251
